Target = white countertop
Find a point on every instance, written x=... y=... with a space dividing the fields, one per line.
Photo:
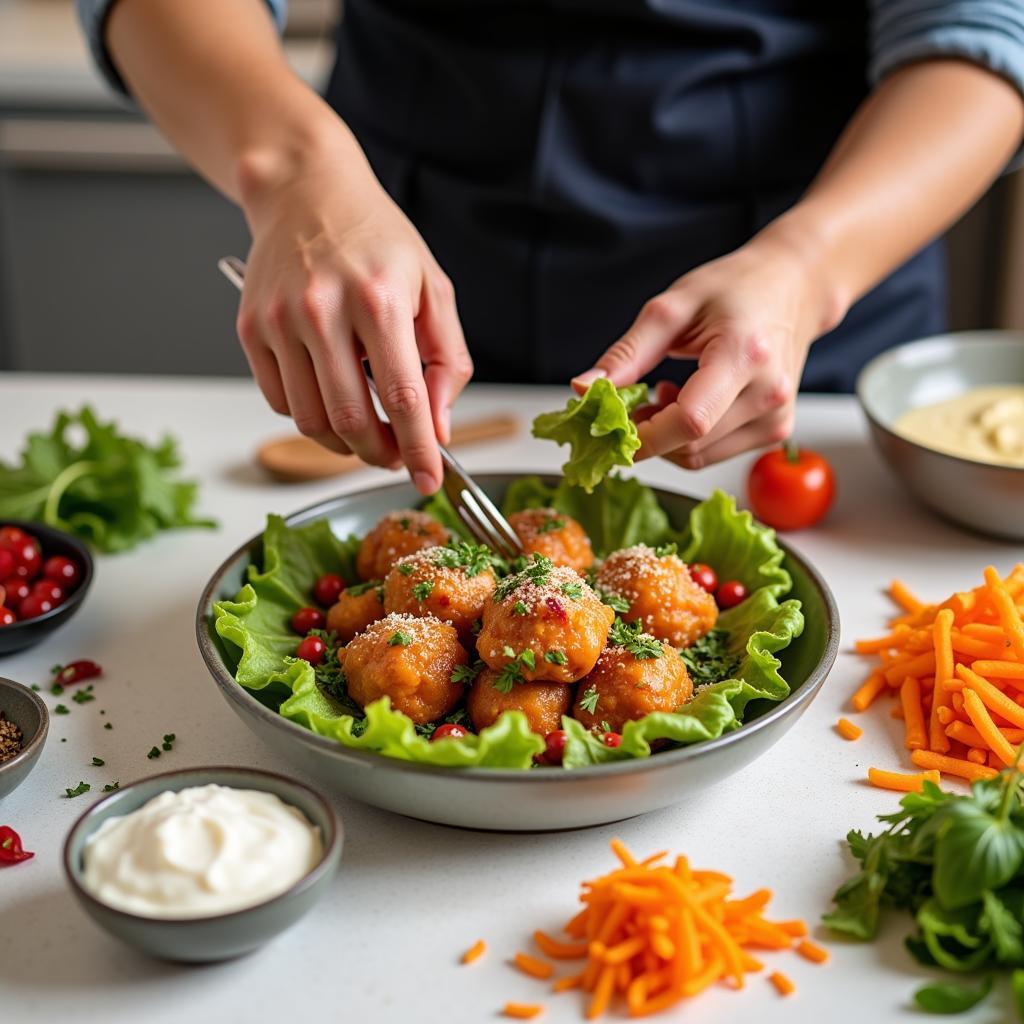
x=410 y=897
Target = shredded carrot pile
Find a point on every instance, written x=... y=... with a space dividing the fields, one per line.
x=654 y=934
x=957 y=670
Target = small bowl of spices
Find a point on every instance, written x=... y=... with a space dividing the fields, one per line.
x=24 y=722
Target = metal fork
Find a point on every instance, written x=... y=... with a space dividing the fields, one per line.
x=477 y=512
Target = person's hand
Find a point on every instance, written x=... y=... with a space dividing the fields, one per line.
x=338 y=274
x=748 y=319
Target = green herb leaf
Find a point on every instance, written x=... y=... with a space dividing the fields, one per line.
x=108 y=726
x=99 y=762
x=421 y=591
x=110 y=787
x=710 y=659
x=950 y=997
x=83 y=695
x=664 y=550
x=358 y=589
x=614 y=601
x=406 y=568
x=466 y=673
x=56 y=689
x=572 y=589
x=631 y=636
x=556 y=657
x=60 y=709
x=154 y=753
x=472 y=559
x=551 y=524
x=537 y=571
x=399 y=639
x=589 y=699
x=520 y=609
x=82 y=787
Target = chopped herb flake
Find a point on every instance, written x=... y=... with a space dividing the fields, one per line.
x=588 y=702
x=110 y=787
x=556 y=657
x=82 y=787
x=550 y=525
x=406 y=568
x=572 y=589
x=60 y=709
x=631 y=636
x=56 y=689
x=466 y=673
x=421 y=591
x=84 y=695
x=361 y=588
x=520 y=609
x=154 y=753
x=98 y=762
x=399 y=639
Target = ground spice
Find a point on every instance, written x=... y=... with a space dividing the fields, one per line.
x=10 y=738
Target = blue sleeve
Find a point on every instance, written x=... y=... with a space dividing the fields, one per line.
x=986 y=32
x=93 y=16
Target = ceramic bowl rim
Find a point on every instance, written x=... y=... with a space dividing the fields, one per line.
x=331 y=846
x=30 y=748
x=233 y=691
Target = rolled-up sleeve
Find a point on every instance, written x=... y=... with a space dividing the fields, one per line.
x=93 y=16
x=986 y=32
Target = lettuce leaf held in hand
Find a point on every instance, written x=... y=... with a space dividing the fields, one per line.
x=597 y=429
x=110 y=489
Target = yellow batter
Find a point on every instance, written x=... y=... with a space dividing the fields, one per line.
x=983 y=424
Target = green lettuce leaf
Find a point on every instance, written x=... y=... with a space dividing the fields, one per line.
x=597 y=429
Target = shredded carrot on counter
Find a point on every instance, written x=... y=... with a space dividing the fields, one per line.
x=812 y=951
x=899 y=782
x=782 y=984
x=533 y=966
x=957 y=667
x=523 y=1011
x=474 y=952
x=848 y=730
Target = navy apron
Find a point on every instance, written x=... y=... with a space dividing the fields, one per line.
x=565 y=160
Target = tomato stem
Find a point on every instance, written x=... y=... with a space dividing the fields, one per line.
x=791 y=450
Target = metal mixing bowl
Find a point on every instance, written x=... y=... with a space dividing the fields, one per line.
x=509 y=800
x=983 y=497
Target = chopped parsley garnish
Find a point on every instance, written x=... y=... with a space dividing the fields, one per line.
x=709 y=660
x=473 y=559
x=82 y=787
x=361 y=588
x=331 y=679
x=421 y=591
x=589 y=699
x=84 y=695
x=110 y=787
x=631 y=636
x=399 y=639
x=664 y=550
x=467 y=673
x=404 y=522
x=98 y=762
x=572 y=589
x=60 y=709
x=550 y=525
x=108 y=726
x=168 y=742
x=519 y=608
x=154 y=753
x=606 y=725
x=35 y=687
x=512 y=672
x=536 y=571
x=56 y=689
x=406 y=568
x=556 y=657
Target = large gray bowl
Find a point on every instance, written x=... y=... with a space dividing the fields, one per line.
x=983 y=497
x=505 y=799
x=218 y=936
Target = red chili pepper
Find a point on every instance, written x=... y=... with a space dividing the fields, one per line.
x=11 y=851
x=76 y=672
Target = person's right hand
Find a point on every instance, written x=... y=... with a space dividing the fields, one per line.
x=337 y=274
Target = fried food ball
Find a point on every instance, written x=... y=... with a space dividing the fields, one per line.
x=397 y=534
x=554 y=535
x=451 y=583
x=661 y=594
x=546 y=623
x=630 y=680
x=353 y=612
x=543 y=703
x=410 y=660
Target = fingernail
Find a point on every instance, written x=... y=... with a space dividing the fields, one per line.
x=584 y=380
x=424 y=482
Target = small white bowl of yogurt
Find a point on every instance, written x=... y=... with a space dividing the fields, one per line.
x=947 y=413
x=203 y=864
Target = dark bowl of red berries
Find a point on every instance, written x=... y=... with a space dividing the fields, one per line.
x=44 y=576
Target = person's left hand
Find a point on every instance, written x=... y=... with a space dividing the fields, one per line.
x=748 y=319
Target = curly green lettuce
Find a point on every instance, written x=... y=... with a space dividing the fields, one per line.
x=597 y=429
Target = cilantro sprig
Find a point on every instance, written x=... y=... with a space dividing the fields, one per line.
x=512 y=672
x=589 y=699
x=631 y=636
x=536 y=571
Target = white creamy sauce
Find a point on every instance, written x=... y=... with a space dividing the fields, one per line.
x=983 y=424
x=198 y=852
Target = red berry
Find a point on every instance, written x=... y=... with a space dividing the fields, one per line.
x=61 y=570
x=704 y=576
x=7 y=616
x=35 y=605
x=449 y=731
x=306 y=619
x=554 y=746
x=612 y=739
x=730 y=594
x=12 y=535
x=327 y=588
x=6 y=563
x=312 y=649
x=17 y=591
x=50 y=589
x=27 y=560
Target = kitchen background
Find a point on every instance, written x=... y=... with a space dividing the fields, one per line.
x=108 y=241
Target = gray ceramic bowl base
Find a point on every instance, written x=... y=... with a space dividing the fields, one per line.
x=984 y=498
x=505 y=800
x=29 y=714
x=225 y=936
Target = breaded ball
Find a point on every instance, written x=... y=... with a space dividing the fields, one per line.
x=397 y=534
x=353 y=612
x=546 y=623
x=451 y=583
x=410 y=660
x=543 y=703
x=660 y=592
x=543 y=531
x=630 y=681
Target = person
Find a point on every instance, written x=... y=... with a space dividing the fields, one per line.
x=720 y=181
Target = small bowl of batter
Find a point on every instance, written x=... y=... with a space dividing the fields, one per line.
x=947 y=414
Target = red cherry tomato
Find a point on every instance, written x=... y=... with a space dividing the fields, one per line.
x=50 y=589
x=17 y=591
x=791 y=488
x=35 y=605
x=730 y=594
x=12 y=535
x=554 y=746
x=27 y=560
x=704 y=576
x=612 y=739
x=61 y=570
x=327 y=588
x=6 y=563
x=312 y=649
x=306 y=619
x=7 y=617
x=449 y=730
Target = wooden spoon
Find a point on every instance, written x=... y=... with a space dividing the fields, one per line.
x=296 y=459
